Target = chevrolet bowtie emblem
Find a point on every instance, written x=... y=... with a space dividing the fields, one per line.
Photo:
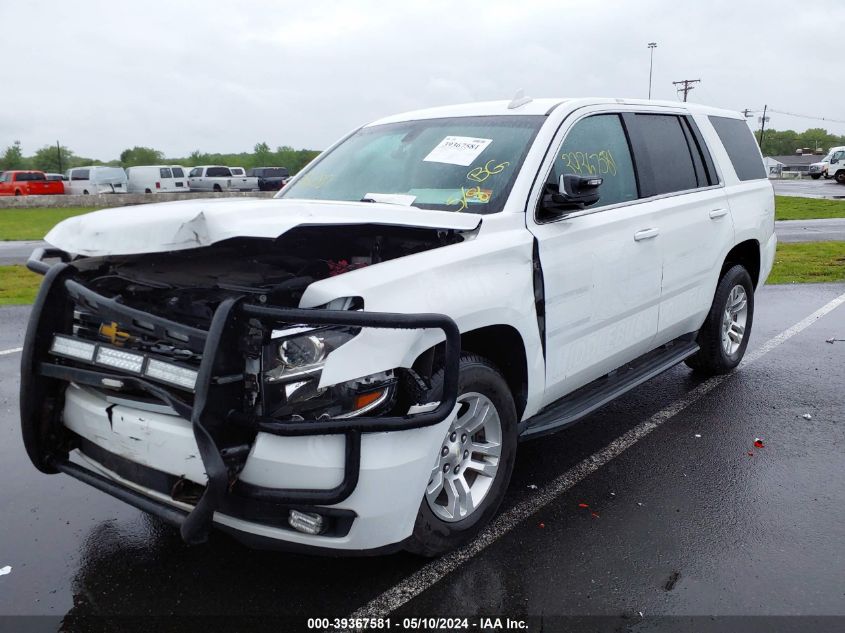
x=113 y=334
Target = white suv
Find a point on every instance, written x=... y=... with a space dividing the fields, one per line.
x=350 y=366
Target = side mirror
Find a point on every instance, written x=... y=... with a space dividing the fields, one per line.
x=574 y=193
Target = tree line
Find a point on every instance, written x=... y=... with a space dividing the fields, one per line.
x=58 y=158
x=785 y=142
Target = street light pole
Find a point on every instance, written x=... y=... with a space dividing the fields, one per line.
x=651 y=47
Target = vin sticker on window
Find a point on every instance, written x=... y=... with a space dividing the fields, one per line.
x=458 y=150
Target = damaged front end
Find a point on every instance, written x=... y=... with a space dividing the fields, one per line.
x=213 y=336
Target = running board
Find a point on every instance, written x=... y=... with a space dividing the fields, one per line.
x=598 y=393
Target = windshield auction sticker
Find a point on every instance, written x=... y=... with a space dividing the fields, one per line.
x=458 y=150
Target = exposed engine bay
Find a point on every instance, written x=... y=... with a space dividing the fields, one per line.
x=188 y=285
x=276 y=369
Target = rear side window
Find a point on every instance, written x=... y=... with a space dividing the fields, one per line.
x=79 y=174
x=164 y=172
x=741 y=147
x=597 y=146
x=667 y=152
x=178 y=173
x=218 y=172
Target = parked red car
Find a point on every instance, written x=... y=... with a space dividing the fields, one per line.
x=28 y=183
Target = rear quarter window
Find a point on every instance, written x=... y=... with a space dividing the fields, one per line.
x=741 y=147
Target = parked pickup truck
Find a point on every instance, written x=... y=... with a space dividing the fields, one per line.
x=219 y=178
x=243 y=180
x=352 y=365
x=28 y=183
x=270 y=178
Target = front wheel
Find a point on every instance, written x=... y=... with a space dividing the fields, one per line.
x=724 y=336
x=473 y=465
x=815 y=176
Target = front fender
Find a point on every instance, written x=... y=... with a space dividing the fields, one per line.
x=478 y=283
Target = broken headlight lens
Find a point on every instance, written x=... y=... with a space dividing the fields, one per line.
x=300 y=352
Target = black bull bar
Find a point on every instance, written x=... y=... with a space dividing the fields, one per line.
x=42 y=382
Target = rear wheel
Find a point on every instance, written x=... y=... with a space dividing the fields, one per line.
x=18 y=192
x=85 y=192
x=724 y=336
x=473 y=465
x=840 y=177
x=148 y=190
x=217 y=188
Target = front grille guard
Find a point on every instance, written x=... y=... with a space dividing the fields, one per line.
x=41 y=393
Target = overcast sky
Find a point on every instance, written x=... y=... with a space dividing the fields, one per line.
x=222 y=76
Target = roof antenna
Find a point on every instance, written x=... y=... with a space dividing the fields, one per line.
x=519 y=99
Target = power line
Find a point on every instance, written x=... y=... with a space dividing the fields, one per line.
x=804 y=116
x=688 y=85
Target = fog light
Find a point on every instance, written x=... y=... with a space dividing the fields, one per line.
x=307 y=522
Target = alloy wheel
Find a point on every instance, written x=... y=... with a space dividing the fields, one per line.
x=468 y=460
x=734 y=319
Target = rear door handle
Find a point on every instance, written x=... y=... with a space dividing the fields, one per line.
x=646 y=234
x=718 y=213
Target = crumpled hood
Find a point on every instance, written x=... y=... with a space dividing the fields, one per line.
x=173 y=226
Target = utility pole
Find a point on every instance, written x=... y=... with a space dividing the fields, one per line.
x=688 y=85
x=59 y=153
x=651 y=47
x=763 y=120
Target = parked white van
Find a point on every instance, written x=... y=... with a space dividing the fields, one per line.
x=95 y=179
x=157 y=179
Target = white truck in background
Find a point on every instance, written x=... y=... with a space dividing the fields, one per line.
x=220 y=178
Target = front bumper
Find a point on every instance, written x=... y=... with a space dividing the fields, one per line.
x=367 y=474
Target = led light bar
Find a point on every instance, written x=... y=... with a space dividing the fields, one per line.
x=173 y=374
x=119 y=359
x=64 y=346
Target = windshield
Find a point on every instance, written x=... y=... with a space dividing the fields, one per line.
x=457 y=164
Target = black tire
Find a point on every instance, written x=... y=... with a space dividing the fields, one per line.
x=18 y=192
x=840 y=176
x=712 y=358
x=217 y=188
x=815 y=176
x=85 y=193
x=432 y=535
x=148 y=190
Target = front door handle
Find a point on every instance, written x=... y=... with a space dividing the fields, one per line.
x=718 y=213
x=646 y=234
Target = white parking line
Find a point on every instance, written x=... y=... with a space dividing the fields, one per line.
x=433 y=572
x=14 y=350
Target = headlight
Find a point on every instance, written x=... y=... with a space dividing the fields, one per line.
x=301 y=351
x=292 y=365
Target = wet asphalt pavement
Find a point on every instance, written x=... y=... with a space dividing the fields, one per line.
x=685 y=525
x=809 y=188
